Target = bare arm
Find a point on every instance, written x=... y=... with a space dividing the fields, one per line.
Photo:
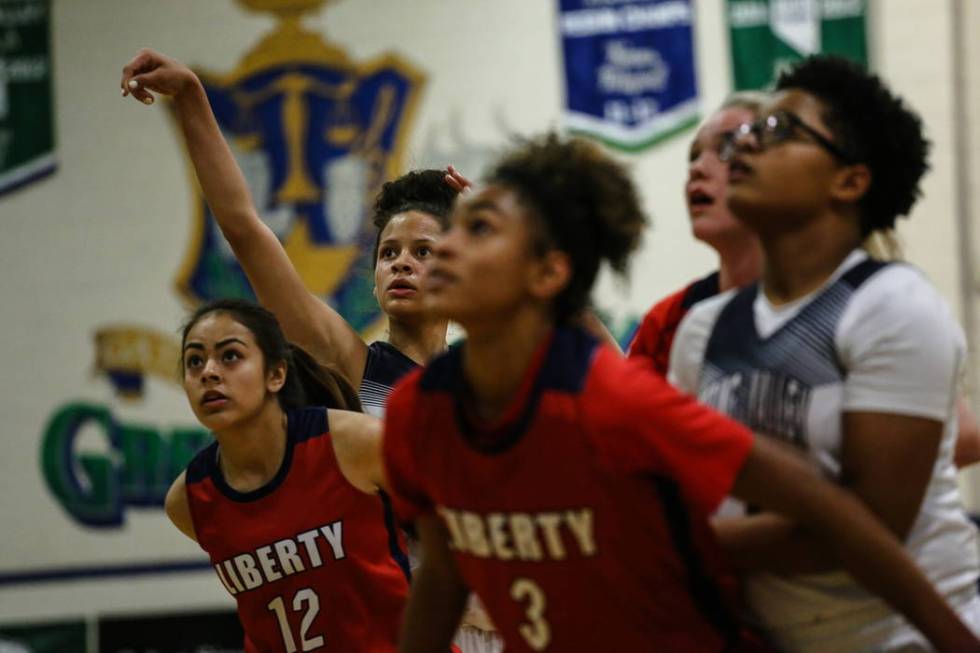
x=177 y=507
x=356 y=441
x=968 y=437
x=780 y=481
x=877 y=449
x=438 y=594
x=305 y=319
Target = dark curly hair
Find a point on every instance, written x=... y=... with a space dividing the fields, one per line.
x=419 y=190
x=584 y=202
x=308 y=383
x=874 y=126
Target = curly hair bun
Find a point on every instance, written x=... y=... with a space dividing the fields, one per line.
x=585 y=202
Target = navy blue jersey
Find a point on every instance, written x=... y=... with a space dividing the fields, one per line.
x=385 y=366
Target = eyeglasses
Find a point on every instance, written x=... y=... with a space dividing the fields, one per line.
x=777 y=127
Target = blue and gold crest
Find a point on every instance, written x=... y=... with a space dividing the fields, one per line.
x=316 y=135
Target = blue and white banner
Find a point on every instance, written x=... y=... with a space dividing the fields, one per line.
x=630 y=76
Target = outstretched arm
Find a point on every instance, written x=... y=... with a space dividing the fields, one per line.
x=778 y=480
x=438 y=595
x=306 y=320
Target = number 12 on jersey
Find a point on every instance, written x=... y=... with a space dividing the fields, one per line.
x=304 y=597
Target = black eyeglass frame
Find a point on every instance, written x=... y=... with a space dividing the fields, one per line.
x=767 y=133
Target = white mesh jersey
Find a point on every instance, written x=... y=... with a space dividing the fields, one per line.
x=876 y=337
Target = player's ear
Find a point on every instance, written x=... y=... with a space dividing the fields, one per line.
x=550 y=274
x=276 y=377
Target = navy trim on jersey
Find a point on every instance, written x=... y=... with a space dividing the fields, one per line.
x=705 y=594
x=307 y=423
x=564 y=369
x=739 y=334
x=703 y=288
x=391 y=525
x=386 y=364
x=768 y=383
x=301 y=425
x=864 y=271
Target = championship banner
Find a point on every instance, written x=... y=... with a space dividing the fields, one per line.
x=630 y=77
x=769 y=35
x=26 y=111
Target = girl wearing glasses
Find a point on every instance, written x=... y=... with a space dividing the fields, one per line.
x=852 y=361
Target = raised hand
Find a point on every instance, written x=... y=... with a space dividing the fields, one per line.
x=456 y=181
x=152 y=71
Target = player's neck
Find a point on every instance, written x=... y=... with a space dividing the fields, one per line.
x=420 y=340
x=496 y=358
x=798 y=262
x=739 y=262
x=251 y=453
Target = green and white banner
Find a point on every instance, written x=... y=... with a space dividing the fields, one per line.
x=26 y=107
x=768 y=35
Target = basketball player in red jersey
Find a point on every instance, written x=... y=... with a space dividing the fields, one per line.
x=568 y=487
x=286 y=501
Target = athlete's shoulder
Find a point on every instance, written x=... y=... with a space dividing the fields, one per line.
x=570 y=359
x=897 y=294
x=306 y=423
x=892 y=280
x=619 y=387
x=668 y=311
x=705 y=312
x=692 y=337
x=701 y=289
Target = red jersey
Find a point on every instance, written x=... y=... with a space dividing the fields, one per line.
x=655 y=336
x=312 y=562
x=582 y=524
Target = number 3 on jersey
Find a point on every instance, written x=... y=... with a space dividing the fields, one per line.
x=309 y=598
x=535 y=630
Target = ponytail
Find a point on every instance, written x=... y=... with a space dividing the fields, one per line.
x=308 y=383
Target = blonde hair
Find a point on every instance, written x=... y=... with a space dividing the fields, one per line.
x=883 y=245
